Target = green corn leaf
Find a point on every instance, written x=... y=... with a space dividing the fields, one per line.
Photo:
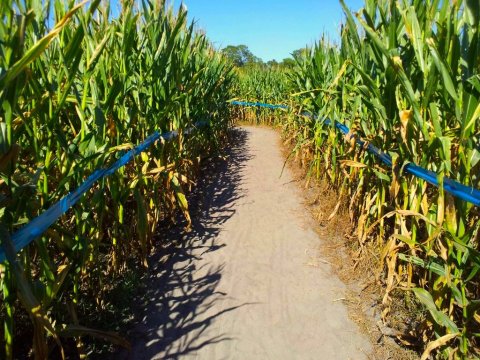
x=430 y=266
x=37 y=50
x=443 y=70
x=438 y=316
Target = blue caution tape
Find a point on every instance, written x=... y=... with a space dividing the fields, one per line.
x=466 y=193
x=36 y=227
x=257 y=104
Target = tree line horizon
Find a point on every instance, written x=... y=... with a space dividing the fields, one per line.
x=242 y=56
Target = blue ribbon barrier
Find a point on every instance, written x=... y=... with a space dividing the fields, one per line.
x=258 y=104
x=466 y=193
x=37 y=226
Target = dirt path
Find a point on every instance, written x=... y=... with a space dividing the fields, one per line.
x=248 y=282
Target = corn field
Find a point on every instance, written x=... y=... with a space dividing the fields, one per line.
x=266 y=85
x=406 y=78
x=79 y=87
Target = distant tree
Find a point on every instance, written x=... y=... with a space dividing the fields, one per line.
x=241 y=55
x=272 y=63
x=257 y=61
x=300 y=53
x=288 y=63
x=296 y=56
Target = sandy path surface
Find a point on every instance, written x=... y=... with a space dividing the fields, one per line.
x=248 y=282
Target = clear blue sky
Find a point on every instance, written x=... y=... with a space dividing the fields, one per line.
x=271 y=29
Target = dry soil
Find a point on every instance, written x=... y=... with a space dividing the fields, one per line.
x=248 y=282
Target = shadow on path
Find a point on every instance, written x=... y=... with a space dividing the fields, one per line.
x=176 y=310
